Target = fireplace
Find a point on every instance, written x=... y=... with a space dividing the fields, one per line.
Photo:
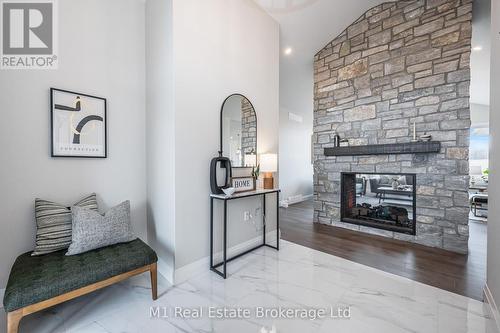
x=379 y=200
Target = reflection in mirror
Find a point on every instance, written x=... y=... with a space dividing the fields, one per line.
x=239 y=131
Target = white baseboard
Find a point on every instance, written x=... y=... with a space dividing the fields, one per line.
x=2 y=292
x=186 y=272
x=307 y=197
x=295 y=199
x=165 y=270
x=492 y=306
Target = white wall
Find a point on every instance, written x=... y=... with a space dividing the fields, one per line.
x=101 y=52
x=480 y=59
x=479 y=115
x=296 y=96
x=160 y=134
x=493 y=264
x=220 y=47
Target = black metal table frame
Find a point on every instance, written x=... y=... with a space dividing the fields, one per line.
x=225 y=260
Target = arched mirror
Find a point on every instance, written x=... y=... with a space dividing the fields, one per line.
x=238 y=138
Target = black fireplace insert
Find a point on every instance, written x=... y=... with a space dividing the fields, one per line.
x=379 y=200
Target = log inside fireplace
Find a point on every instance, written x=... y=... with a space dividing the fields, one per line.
x=384 y=201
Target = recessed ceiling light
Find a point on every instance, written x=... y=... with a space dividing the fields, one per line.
x=288 y=51
x=477 y=48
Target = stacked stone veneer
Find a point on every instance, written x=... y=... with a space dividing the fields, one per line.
x=400 y=63
x=248 y=128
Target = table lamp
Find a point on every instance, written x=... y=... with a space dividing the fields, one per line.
x=268 y=165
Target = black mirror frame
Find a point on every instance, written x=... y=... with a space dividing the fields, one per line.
x=221 y=126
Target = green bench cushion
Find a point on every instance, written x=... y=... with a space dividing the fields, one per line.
x=37 y=278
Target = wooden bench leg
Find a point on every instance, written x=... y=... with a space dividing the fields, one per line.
x=154 y=281
x=13 y=319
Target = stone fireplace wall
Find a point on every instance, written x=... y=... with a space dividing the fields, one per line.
x=248 y=127
x=400 y=63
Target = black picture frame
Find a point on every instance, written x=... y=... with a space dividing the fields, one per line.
x=53 y=153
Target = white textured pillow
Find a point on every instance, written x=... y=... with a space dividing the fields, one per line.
x=91 y=230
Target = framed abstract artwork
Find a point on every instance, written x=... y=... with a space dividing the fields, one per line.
x=78 y=124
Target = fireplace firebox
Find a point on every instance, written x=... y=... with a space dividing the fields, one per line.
x=379 y=200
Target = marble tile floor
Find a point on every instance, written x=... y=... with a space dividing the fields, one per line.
x=294 y=278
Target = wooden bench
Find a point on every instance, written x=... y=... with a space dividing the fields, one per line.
x=39 y=282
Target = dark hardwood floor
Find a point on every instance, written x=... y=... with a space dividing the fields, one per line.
x=461 y=274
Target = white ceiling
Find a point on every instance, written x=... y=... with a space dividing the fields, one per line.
x=308 y=25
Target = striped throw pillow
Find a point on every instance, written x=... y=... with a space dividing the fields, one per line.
x=53 y=223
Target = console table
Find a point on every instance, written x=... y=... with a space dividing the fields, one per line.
x=239 y=196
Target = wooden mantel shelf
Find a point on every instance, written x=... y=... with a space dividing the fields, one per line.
x=384 y=149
